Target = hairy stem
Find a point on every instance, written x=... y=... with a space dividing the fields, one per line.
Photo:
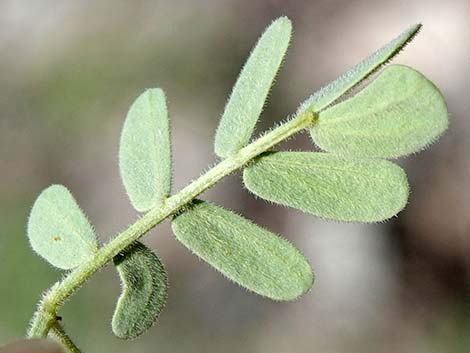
x=59 y=334
x=55 y=297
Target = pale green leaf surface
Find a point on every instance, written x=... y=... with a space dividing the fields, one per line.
x=399 y=113
x=329 y=186
x=251 y=89
x=331 y=92
x=145 y=151
x=145 y=285
x=59 y=231
x=244 y=252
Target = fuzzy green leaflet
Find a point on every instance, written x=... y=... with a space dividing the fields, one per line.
x=59 y=231
x=354 y=76
x=251 y=89
x=330 y=186
x=244 y=252
x=145 y=151
x=399 y=113
x=144 y=293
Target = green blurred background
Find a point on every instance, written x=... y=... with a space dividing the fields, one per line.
x=70 y=69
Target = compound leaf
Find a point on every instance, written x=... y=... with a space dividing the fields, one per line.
x=244 y=252
x=144 y=293
x=251 y=89
x=399 y=113
x=335 y=89
x=145 y=151
x=59 y=231
x=329 y=186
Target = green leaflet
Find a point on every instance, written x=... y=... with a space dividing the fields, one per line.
x=59 y=231
x=335 y=89
x=244 y=252
x=144 y=294
x=399 y=113
x=145 y=151
x=251 y=89
x=329 y=186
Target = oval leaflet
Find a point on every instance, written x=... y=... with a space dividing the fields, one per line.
x=59 y=231
x=399 y=113
x=244 y=252
x=251 y=89
x=329 y=186
x=145 y=151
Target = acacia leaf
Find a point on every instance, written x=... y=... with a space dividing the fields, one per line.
x=348 y=80
x=251 y=89
x=399 y=113
x=329 y=186
x=59 y=231
x=145 y=284
x=244 y=252
x=145 y=151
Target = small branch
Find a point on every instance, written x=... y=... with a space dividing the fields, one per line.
x=60 y=335
x=62 y=290
x=41 y=323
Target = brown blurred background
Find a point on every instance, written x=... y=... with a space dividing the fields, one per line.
x=70 y=69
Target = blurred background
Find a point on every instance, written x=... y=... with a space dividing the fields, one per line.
x=69 y=71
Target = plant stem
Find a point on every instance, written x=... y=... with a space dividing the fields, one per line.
x=62 y=290
x=60 y=335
